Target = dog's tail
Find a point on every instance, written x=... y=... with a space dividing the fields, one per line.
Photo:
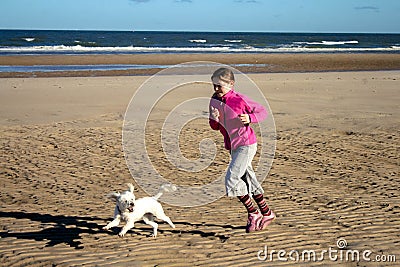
x=165 y=188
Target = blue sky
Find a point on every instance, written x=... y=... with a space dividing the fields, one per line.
x=381 y=16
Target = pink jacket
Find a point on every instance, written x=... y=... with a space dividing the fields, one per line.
x=230 y=106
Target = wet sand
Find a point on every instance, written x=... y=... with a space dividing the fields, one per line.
x=335 y=174
x=263 y=63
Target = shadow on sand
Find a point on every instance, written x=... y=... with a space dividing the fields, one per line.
x=67 y=229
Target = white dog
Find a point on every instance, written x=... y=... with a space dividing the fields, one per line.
x=130 y=210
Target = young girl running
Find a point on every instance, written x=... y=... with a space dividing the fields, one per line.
x=231 y=113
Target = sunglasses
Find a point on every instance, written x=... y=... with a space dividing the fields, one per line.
x=217 y=86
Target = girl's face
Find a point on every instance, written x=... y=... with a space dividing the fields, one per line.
x=221 y=87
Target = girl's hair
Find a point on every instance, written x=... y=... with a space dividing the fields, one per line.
x=224 y=74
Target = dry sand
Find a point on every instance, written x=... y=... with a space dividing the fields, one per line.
x=335 y=174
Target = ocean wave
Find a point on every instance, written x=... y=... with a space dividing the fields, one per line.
x=328 y=42
x=134 y=49
x=233 y=41
x=85 y=43
x=29 y=39
x=198 y=41
x=79 y=48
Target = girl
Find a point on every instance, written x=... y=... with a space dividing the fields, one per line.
x=231 y=113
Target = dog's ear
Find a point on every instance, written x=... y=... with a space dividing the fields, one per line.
x=131 y=187
x=113 y=196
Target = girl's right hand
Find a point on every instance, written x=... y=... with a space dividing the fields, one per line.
x=214 y=114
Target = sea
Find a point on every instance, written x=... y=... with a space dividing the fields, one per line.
x=72 y=42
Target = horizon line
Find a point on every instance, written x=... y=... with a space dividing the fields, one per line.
x=195 y=31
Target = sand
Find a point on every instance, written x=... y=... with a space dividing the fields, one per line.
x=335 y=175
x=271 y=63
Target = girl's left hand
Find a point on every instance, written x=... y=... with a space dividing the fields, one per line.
x=244 y=118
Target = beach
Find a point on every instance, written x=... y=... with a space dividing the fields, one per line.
x=334 y=176
x=248 y=63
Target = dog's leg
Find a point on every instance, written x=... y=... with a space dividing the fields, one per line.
x=161 y=215
x=165 y=218
x=149 y=219
x=129 y=225
x=113 y=223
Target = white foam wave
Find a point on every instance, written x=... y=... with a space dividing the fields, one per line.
x=233 y=41
x=135 y=49
x=328 y=42
x=79 y=42
x=29 y=39
x=198 y=41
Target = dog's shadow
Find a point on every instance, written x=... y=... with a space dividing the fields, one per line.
x=68 y=229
